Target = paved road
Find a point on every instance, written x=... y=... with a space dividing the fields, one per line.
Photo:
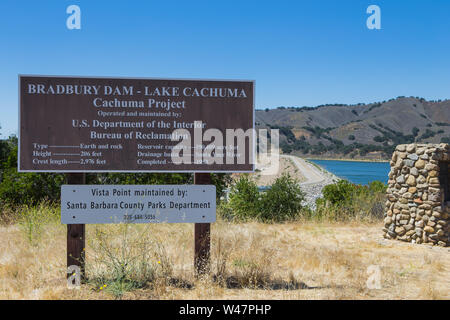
x=316 y=180
x=312 y=174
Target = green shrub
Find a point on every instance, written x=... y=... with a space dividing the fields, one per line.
x=377 y=187
x=243 y=198
x=24 y=188
x=339 y=192
x=346 y=201
x=29 y=188
x=283 y=201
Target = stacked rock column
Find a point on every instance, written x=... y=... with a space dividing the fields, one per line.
x=415 y=210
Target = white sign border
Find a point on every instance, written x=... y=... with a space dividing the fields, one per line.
x=84 y=212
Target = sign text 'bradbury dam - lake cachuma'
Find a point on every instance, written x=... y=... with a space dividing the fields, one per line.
x=80 y=124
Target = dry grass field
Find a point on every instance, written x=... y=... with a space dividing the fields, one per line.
x=296 y=260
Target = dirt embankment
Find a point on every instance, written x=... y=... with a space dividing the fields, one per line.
x=312 y=178
x=286 y=165
x=316 y=178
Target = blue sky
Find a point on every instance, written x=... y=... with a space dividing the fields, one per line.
x=299 y=52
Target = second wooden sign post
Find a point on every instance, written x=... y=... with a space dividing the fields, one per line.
x=202 y=235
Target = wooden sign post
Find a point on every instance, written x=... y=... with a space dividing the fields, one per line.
x=202 y=235
x=76 y=238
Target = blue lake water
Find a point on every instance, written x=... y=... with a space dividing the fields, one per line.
x=357 y=171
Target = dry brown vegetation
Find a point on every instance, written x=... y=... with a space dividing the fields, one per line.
x=296 y=260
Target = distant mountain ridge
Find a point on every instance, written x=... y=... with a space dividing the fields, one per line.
x=358 y=131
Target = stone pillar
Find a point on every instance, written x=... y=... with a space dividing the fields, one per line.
x=415 y=208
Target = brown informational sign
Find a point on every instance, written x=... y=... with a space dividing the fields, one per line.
x=94 y=124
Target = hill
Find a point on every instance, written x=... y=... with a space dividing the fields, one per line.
x=362 y=131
